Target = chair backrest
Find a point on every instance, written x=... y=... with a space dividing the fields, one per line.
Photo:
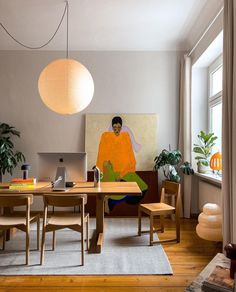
x=64 y=200
x=8 y=200
x=172 y=188
x=59 y=200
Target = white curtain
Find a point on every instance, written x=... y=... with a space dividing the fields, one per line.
x=185 y=129
x=229 y=123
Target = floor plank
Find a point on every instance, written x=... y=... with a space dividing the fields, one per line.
x=187 y=258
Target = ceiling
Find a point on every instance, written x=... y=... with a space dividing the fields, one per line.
x=100 y=24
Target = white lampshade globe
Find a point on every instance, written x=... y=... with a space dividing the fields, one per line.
x=66 y=86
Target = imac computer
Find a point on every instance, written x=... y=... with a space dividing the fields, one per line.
x=64 y=167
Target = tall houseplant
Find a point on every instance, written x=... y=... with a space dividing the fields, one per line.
x=203 y=150
x=9 y=157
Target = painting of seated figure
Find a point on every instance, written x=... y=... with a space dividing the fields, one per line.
x=116 y=158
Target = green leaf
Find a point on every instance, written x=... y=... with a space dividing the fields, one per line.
x=204 y=162
x=175 y=178
x=186 y=167
x=199 y=157
x=199 y=150
x=6 y=129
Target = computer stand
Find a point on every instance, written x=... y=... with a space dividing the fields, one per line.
x=60 y=182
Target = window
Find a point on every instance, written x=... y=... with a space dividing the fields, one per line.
x=215 y=101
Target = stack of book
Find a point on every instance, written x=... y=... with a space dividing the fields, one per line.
x=19 y=183
x=219 y=280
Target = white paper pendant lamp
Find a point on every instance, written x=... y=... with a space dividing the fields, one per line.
x=66 y=86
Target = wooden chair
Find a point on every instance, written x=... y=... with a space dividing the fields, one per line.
x=72 y=220
x=15 y=219
x=162 y=209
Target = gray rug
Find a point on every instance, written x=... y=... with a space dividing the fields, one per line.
x=123 y=253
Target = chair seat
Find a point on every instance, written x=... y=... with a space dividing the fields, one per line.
x=155 y=207
x=67 y=219
x=14 y=220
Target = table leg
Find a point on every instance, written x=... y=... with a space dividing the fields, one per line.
x=7 y=211
x=97 y=238
x=100 y=214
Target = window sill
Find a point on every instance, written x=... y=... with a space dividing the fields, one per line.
x=210 y=177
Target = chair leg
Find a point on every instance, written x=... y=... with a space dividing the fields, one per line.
x=82 y=246
x=139 y=222
x=151 y=230
x=53 y=240
x=87 y=233
x=42 y=247
x=177 y=228
x=38 y=231
x=3 y=239
x=162 y=223
x=27 y=244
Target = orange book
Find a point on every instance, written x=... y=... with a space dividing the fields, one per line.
x=30 y=180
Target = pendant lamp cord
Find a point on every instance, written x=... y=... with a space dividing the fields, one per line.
x=44 y=45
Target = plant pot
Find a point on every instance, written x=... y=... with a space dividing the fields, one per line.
x=201 y=168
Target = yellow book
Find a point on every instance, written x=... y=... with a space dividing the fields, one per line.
x=21 y=187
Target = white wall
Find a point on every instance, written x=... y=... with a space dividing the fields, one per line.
x=125 y=82
x=209 y=193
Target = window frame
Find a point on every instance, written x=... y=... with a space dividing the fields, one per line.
x=215 y=99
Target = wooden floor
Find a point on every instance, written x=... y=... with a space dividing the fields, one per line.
x=187 y=259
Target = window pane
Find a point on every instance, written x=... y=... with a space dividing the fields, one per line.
x=216 y=126
x=216 y=81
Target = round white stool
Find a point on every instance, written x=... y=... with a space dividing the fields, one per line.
x=210 y=223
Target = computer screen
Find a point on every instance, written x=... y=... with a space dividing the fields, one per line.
x=75 y=164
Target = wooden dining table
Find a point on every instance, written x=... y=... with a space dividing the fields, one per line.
x=106 y=189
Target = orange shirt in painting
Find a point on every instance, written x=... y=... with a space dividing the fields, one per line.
x=117 y=149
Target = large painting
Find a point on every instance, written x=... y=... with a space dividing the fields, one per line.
x=120 y=145
x=143 y=134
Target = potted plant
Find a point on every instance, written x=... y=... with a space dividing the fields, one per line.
x=168 y=161
x=203 y=150
x=9 y=157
